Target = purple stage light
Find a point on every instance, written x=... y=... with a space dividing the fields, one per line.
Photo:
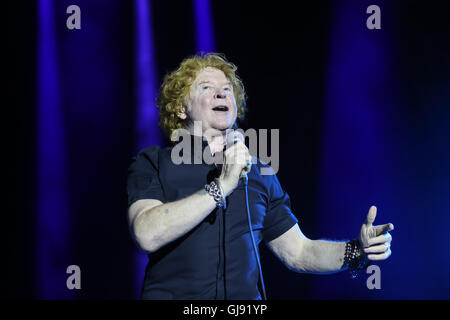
x=52 y=216
x=354 y=159
x=204 y=28
x=147 y=130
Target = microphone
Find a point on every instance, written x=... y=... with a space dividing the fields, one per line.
x=232 y=138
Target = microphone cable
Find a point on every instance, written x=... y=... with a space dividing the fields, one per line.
x=245 y=181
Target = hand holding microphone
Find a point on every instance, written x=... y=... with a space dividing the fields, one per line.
x=237 y=162
x=236 y=136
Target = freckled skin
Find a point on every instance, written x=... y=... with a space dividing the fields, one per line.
x=211 y=88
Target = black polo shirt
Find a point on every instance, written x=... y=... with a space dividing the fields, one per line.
x=215 y=260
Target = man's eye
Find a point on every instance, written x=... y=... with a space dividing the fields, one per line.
x=227 y=89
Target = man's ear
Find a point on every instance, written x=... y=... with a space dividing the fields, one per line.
x=181 y=115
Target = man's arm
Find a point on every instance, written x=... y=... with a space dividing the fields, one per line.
x=301 y=254
x=155 y=224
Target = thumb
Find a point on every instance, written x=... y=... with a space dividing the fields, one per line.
x=371 y=216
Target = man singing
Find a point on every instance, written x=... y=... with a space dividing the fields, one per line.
x=191 y=218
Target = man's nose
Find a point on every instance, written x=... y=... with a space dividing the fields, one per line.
x=220 y=94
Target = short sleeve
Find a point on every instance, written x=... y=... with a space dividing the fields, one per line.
x=143 y=179
x=279 y=217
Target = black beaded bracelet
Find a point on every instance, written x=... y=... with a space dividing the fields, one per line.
x=355 y=258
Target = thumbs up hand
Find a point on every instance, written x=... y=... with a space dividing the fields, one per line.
x=375 y=240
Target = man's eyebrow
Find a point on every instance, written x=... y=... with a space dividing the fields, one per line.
x=206 y=81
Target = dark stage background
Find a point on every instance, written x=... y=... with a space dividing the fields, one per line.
x=363 y=116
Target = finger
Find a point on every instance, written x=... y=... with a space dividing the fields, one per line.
x=381 y=256
x=235 y=149
x=383 y=228
x=238 y=157
x=237 y=145
x=243 y=157
x=378 y=248
x=371 y=216
x=380 y=239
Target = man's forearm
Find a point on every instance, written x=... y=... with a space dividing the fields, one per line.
x=165 y=223
x=322 y=256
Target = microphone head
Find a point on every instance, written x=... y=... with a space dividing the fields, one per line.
x=233 y=136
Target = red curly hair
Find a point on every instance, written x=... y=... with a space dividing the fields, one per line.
x=174 y=91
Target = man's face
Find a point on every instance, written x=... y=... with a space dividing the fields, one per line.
x=211 y=101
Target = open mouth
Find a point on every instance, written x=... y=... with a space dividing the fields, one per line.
x=221 y=108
